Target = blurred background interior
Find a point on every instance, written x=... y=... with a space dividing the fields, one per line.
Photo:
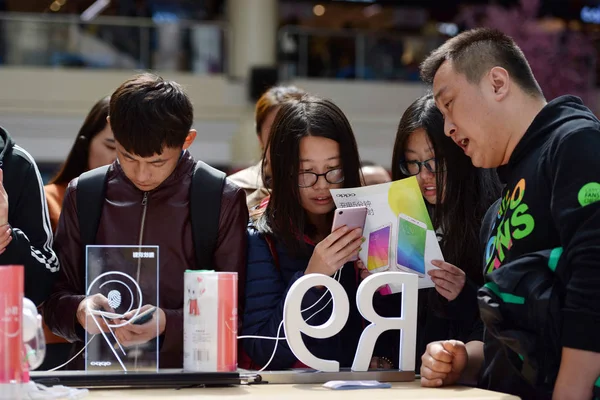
x=58 y=57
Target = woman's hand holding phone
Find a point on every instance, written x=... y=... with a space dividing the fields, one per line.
x=335 y=250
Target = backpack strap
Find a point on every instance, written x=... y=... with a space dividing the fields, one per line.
x=91 y=188
x=206 y=192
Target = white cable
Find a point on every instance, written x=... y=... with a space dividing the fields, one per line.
x=277 y=338
x=322 y=308
x=261 y=337
x=74 y=357
x=36 y=391
x=306 y=309
x=274 y=349
x=337 y=274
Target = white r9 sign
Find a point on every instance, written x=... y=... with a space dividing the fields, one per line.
x=295 y=325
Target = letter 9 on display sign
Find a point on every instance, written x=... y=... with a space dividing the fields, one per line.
x=294 y=324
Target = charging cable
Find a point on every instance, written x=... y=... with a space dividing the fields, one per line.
x=337 y=275
x=75 y=356
x=306 y=309
x=36 y=391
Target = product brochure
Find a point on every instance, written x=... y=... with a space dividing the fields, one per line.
x=398 y=231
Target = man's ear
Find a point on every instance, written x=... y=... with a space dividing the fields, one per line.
x=189 y=139
x=500 y=81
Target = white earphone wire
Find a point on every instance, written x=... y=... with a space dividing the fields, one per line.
x=277 y=338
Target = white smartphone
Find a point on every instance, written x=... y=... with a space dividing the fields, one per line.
x=410 y=254
x=352 y=217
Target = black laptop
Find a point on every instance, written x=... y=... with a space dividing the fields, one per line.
x=165 y=378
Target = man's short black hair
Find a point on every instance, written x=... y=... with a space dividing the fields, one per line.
x=474 y=52
x=148 y=113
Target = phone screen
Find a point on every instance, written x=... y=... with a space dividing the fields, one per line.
x=411 y=246
x=379 y=248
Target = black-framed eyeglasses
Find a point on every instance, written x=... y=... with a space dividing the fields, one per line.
x=411 y=168
x=309 y=179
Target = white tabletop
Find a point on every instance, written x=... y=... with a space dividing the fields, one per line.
x=407 y=390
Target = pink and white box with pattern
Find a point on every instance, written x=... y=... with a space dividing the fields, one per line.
x=210 y=317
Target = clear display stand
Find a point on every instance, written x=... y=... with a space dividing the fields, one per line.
x=127 y=277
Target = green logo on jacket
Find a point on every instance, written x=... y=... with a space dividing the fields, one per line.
x=514 y=222
x=589 y=193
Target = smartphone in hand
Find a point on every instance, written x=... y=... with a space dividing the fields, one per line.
x=143 y=317
x=352 y=217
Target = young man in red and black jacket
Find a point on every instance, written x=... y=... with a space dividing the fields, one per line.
x=146 y=202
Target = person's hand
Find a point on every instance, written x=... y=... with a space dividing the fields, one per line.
x=132 y=335
x=362 y=268
x=5 y=237
x=86 y=317
x=449 y=280
x=5 y=229
x=443 y=363
x=334 y=251
x=3 y=201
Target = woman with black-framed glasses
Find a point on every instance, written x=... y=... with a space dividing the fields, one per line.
x=312 y=149
x=457 y=196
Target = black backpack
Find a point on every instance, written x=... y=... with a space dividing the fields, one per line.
x=205 y=194
x=520 y=307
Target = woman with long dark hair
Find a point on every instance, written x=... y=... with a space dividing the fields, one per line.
x=312 y=149
x=94 y=147
x=457 y=195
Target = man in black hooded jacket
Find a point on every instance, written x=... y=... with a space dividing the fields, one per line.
x=25 y=232
x=547 y=223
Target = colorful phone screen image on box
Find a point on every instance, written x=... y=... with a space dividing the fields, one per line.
x=411 y=246
x=379 y=248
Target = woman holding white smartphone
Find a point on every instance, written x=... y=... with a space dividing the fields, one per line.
x=312 y=150
x=457 y=196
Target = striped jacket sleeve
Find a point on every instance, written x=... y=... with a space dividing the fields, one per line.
x=31 y=245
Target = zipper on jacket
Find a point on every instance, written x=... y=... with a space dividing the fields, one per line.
x=145 y=205
x=141 y=237
x=139 y=263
